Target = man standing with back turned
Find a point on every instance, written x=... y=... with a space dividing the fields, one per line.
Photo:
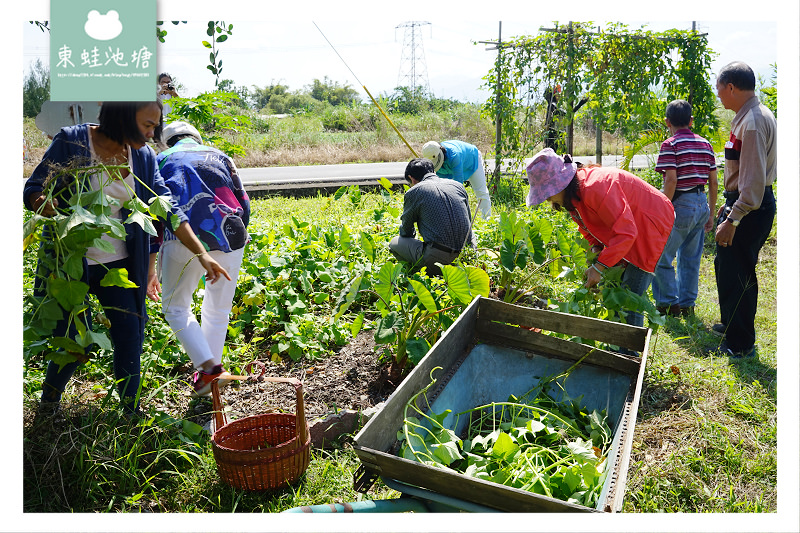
x=688 y=164
x=745 y=221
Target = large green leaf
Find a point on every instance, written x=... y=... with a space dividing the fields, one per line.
x=143 y=220
x=357 y=324
x=385 y=328
x=368 y=246
x=79 y=216
x=102 y=245
x=49 y=310
x=347 y=296
x=386 y=279
x=91 y=337
x=345 y=240
x=543 y=227
x=386 y=184
x=513 y=255
x=564 y=243
x=464 y=282
x=65 y=343
x=424 y=295
x=536 y=246
x=160 y=206
x=73 y=264
x=504 y=447
x=416 y=349
x=112 y=226
x=447 y=452
x=69 y=293
x=117 y=277
x=30 y=229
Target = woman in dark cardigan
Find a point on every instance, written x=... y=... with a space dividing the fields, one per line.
x=120 y=138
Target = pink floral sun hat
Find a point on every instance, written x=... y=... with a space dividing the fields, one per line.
x=548 y=174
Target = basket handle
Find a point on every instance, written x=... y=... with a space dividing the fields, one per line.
x=301 y=426
x=219 y=417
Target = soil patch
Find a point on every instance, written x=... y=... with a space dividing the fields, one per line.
x=351 y=379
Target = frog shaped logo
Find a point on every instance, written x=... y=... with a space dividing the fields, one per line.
x=102 y=27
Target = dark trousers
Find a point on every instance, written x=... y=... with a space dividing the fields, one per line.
x=735 y=270
x=127 y=336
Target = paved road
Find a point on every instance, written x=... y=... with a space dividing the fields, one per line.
x=330 y=176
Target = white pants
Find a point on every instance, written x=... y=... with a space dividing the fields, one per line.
x=478 y=183
x=180 y=274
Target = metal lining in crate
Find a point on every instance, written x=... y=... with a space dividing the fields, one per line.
x=497 y=326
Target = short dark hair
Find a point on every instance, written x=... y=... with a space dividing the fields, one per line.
x=118 y=121
x=679 y=113
x=167 y=74
x=739 y=74
x=418 y=168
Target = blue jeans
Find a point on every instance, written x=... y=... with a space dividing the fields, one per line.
x=127 y=336
x=686 y=244
x=636 y=280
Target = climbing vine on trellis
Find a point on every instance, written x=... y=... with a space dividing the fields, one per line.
x=626 y=76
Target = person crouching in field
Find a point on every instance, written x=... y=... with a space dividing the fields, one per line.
x=206 y=186
x=440 y=209
x=626 y=220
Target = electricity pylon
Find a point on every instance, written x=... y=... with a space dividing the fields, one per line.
x=413 y=72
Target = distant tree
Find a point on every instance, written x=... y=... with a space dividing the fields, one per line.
x=769 y=94
x=332 y=92
x=260 y=97
x=239 y=90
x=294 y=102
x=408 y=101
x=35 y=89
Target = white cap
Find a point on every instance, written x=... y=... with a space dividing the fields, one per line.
x=433 y=151
x=180 y=128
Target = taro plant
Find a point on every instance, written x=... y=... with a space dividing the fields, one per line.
x=414 y=310
x=521 y=243
x=81 y=220
x=608 y=301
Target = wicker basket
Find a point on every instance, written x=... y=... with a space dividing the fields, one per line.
x=242 y=459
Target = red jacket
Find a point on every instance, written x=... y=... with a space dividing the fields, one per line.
x=630 y=218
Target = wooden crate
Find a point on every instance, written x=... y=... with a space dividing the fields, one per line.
x=486 y=356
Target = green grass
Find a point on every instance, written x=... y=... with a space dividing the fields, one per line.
x=705 y=439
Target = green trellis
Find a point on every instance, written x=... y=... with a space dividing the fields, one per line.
x=625 y=76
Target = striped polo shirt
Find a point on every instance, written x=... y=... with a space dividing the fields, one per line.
x=690 y=155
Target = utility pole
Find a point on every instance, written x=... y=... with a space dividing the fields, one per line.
x=499 y=119
x=413 y=72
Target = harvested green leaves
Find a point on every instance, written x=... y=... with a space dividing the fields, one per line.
x=555 y=448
